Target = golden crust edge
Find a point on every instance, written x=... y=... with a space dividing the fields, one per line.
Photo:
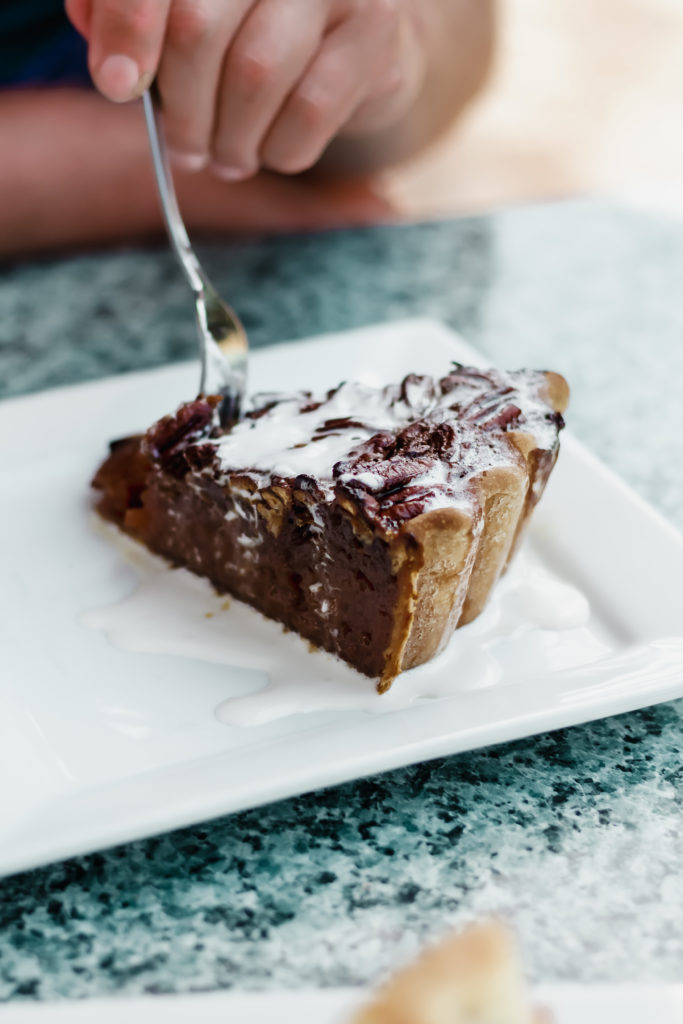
x=555 y=391
x=502 y=492
x=433 y=585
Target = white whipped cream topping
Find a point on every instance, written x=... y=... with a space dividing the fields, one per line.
x=279 y=441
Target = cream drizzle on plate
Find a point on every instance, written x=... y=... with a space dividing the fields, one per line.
x=535 y=624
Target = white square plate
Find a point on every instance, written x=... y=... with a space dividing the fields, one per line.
x=569 y=1004
x=100 y=744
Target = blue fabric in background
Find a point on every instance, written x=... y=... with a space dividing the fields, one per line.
x=39 y=46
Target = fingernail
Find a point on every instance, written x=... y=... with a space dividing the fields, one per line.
x=227 y=173
x=120 y=79
x=190 y=162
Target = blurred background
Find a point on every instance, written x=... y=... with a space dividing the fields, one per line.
x=586 y=97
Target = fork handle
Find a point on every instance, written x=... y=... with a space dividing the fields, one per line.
x=167 y=194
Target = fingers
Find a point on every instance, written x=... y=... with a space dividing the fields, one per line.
x=198 y=34
x=126 y=37
x=348 y=67
x=247 y=84
x=271 y=53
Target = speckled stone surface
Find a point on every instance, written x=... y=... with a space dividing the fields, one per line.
x=575 y=837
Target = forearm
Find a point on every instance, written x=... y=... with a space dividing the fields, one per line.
x=76 y=171
x=458 y=38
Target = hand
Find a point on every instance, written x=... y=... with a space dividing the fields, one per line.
x=258 y=84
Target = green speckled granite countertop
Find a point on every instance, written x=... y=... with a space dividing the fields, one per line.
x=576 y=837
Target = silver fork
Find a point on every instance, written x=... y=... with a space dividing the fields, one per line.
x=222 y=338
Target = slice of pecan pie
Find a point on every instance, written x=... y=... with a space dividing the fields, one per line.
x=372 y=521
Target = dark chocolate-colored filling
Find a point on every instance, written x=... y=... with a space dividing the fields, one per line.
x=197 y=523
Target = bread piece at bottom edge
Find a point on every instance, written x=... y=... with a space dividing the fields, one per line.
x=474 y=977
